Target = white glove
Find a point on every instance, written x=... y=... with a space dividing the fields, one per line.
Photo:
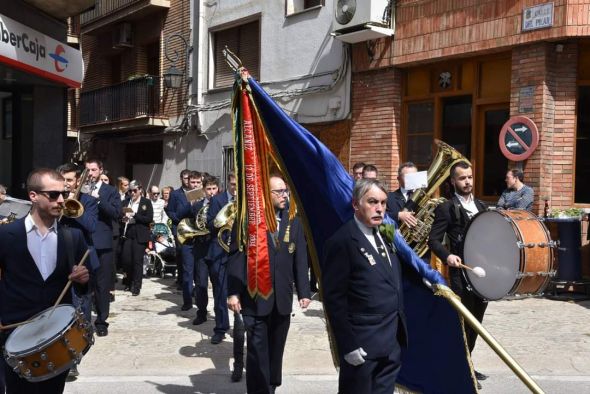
x=356 y=357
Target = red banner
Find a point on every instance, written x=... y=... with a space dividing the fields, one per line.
x=258 y=260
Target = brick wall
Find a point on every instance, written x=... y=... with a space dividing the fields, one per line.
x=336 y=136
x=430 y=29
x=550 y=169
x=375 y=133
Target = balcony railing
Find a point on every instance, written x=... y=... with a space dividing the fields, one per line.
x=128 y=100
x=104 y=8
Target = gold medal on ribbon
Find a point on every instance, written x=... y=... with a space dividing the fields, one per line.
x=292 y=247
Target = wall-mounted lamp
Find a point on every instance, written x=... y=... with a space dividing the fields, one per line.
x=173 y=77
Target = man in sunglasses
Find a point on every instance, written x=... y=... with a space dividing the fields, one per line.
x=158 y=205
x=109 y=209
x=37 y=257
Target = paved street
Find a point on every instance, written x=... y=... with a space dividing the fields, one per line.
x=152 y=347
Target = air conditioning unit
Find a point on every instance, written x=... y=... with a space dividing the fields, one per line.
x=362 y=20
x=123 y=36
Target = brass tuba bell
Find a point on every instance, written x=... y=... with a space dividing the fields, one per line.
x=190 y=228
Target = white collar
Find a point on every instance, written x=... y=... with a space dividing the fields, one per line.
x=467 y=200
x=30 y=224
x=98 y=184
x=363 y=227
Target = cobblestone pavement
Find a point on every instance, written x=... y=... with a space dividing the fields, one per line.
x=152 y=347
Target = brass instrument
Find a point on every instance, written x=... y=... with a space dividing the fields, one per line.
x=191 y=228
x=9 y=219
x=224 y=221
x=421 y=201
x=72 y=207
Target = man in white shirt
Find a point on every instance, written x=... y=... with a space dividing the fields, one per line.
x=36 y=266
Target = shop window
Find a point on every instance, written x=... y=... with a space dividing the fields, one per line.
x=456 y=123
x=7 y=118
x=295 y=6
x=420 y=134
x=244 y=41
x=494 y=163
x=582 y=186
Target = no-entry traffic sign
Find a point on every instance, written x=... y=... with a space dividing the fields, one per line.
x=519 y=138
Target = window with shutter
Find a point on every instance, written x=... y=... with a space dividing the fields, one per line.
x=244 y=41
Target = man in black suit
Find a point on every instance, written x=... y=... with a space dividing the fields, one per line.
x=137 y=221
x=363 y=296
x=451 y=218
x=267 y=321
x=109 y=209
x=396 y=201
x=37 y=257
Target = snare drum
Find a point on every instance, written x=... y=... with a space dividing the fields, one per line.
x=515 y=250
x=49 y=345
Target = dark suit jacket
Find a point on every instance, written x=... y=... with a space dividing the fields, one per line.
x=23 y=292
x=288 y=264
x=215 y=251
x=395 y=204
x=87 y=224
x=109 y=208
x=446 y=221
x=140 y=230
x=177 y=208
x=363 y=302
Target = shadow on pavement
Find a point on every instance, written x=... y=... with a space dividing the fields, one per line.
x=208 y=382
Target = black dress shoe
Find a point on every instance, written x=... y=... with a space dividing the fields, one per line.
x=478 y=386
x=186 y=307
x=217 y=338
x=102 y=331
x=236 y=374
x=480 y=376
x=135 y=293
x=200 y=319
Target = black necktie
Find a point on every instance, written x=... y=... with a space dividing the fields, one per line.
x=380 y=246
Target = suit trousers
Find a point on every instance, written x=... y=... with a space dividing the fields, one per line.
x=101 y=286
x=372 y=377
x=472 y=302
x=217 y=271
x=132 y=257
x=188 y=274
x=201 y=278
x=266 y=338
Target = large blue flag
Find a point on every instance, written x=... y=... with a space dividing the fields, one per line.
x=436 y=359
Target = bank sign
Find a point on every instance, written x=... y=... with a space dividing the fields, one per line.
x=28 y=50
x=537 y=17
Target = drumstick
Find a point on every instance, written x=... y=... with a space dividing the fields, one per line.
x=478 y=271
x=14 y=325
x=63 y=292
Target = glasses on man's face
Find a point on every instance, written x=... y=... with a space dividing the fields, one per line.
x=53 y=195
x=281 y=192
x=134 y=190
x=155 y=193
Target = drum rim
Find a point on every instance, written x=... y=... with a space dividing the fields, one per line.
x=28 y=352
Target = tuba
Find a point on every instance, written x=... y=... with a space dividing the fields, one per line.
x=190 y=228
x=224 y=221
x=72 y=207
x=421 y=202
x=9 y=219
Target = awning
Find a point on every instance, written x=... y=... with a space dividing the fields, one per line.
x=36 y=53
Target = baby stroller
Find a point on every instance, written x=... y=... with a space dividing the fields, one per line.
x=161 y=255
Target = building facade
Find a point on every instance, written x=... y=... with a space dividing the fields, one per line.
x=458 y=70
x=37 y=69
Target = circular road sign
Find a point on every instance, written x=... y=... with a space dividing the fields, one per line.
x=519 y=138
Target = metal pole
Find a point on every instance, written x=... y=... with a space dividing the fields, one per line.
x=495 y=345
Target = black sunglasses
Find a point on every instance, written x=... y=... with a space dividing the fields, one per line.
x=53 y=195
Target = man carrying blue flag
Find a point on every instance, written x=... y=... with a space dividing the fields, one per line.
x=363 y=296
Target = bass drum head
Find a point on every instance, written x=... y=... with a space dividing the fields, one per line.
x=491 y=243
x=41 y=330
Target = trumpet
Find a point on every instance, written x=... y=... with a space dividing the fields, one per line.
x=72 y=207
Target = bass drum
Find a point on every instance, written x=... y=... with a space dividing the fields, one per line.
x=515 y=250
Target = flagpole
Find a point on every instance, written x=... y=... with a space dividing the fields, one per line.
x=494 y=344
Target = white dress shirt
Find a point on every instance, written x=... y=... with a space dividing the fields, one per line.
x=469 y=205
x=94 y=191
x=368 y=232
x=43 y=248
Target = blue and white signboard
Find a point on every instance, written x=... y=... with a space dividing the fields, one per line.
x=537 y=17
